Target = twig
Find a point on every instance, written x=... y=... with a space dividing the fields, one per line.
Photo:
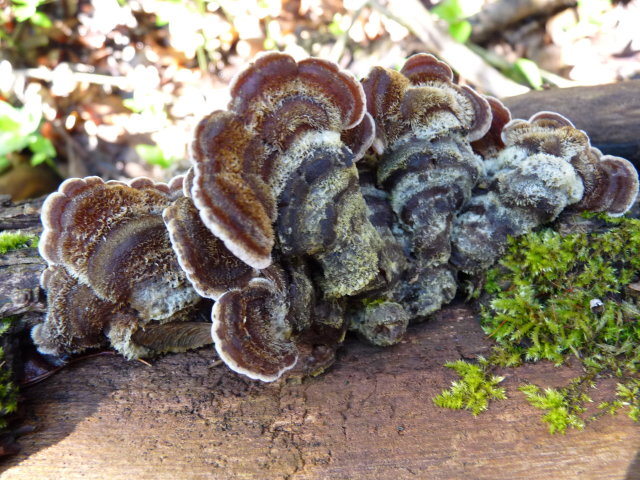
x=47 y=75
x=417 y=19
x=144 y=362
x=338 y=49
x=501 y=64
x=500 y=14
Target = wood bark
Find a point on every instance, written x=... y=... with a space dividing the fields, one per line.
x=371 y=416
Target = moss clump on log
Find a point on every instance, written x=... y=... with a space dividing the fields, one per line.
x=8 y=389
x=15 y=240
x=553 y=296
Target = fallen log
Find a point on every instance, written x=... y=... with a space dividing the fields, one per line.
x=370 y=416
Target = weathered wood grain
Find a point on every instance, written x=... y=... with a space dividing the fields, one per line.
x=369 y=417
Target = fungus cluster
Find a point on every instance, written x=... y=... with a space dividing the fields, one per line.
x=315 y=204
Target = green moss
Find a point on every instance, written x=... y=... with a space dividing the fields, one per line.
x=14 y=240
x=8 y=390
x=542 y=295
x=554 y=296
x=627 y=397
x=475 y=388
x=563 y=408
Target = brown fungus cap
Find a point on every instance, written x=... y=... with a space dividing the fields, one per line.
x=208 y=264
x=251 y=331
x=610 y=183
x=280 y=111
x=611 y=187
x=423 y=98
x=76 y=317
x=111 y=237
x=546 y=132
x=491 y=143
x=360 y=138
x=77 y=320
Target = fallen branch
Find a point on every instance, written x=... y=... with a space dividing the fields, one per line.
x=416 y=18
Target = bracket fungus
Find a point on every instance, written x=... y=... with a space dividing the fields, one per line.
x=251 y=331
x=544 y=166
x=315 y=204
x=112 y=269
x=424 y=126
x=111 y=237
x=275 y=165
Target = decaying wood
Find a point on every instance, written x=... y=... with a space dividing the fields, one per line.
x=20 y=269
x=610 y=114
x=369 y=417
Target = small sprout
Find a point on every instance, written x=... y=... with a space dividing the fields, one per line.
x=627 y=396
x=563 y=411
x=14 y=240
x=475 y=389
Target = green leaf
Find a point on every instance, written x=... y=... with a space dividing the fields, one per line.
x=23 y=12
x=40 y=19
x=40 y=144
x=9 y=117
x=132 y=105
x=460 y=31
x=530 y=71
x=336 y=27
x=16 y=124
x=153 y=155
x=4 y=164
x=12 y=142
x=42 y=149
x=449 y=10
